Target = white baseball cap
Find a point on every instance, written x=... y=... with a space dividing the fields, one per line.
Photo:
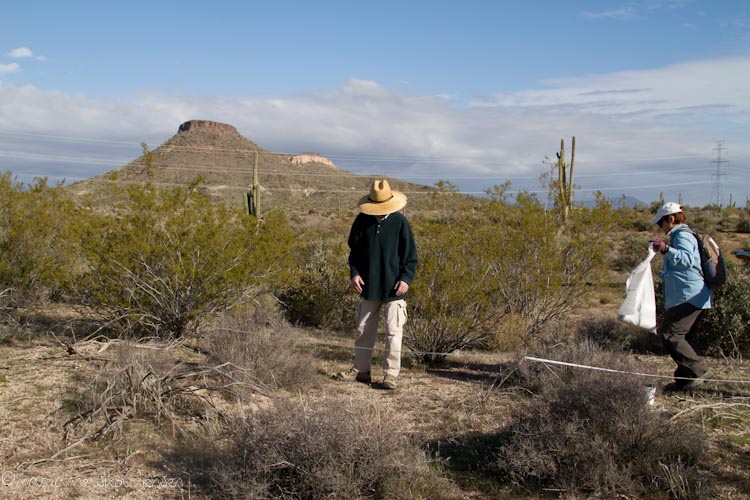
x=668 y=208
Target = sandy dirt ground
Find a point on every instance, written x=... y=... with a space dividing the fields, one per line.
x=39 y=375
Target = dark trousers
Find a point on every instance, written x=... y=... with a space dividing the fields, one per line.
x=678 y=332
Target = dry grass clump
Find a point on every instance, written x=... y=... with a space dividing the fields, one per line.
x=306 y=451
x=591 y=433
x=260 y=348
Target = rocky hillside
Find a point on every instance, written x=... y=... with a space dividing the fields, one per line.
x=221 y=160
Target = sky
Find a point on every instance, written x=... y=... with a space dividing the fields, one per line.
x=656 y=93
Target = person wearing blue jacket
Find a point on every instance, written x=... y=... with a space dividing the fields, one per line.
x=686 y=295
x=382 y=265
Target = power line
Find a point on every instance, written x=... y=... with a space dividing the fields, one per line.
x=183 y=166
x=718 y=175
x=70 y=139
x=20 y=155
x=717 y=196
x=412 y=159
x=431 y=191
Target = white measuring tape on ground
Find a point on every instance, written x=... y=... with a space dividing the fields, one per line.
x=624 y=372
x=527 y=358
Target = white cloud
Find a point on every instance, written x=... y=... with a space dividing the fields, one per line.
x=695 y=90
x=628 y=126
x=9 y=68
x=20 y=53
x=621 y=13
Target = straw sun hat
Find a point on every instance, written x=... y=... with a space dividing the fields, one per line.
x=382 y=200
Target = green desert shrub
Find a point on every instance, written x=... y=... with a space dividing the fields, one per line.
x=726 y=327
x=320 y=296
x=505 y=261
x=38 y=234
x=168 y=260
x=306 y=451
x=743 y=225
x=630 y=253
x=450 y=305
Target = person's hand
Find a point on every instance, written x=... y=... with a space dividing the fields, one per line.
x=659 y=246
x=358 y=283
x=401 y=288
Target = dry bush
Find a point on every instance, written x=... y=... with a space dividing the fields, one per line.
x=145 y=381
x=537 y=376
x=594 y=434
x=610 y=334
x=303 y=451
x=262 y=348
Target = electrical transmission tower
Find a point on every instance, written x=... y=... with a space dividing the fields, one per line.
x=719 y=175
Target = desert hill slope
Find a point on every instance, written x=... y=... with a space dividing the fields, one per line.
x=221 y=161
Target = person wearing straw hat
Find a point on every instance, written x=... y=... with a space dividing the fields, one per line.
x=686 y=296
x=382 y=264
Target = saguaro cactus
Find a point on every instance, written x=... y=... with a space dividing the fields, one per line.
x=252 y=198
x=565 y=178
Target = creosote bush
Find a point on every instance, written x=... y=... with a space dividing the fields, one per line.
x=506 y=260
x=726 y=327
x=169 y=260
x=450 y=306
x=591 y=433
x=307 y=451
x=631 y=252
x=38 y=234
x=321 y=296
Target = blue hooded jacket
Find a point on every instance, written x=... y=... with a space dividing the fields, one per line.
x=681 y=274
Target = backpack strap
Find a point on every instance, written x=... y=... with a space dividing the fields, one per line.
x=699 y=264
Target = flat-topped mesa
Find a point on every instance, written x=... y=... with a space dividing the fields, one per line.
x=206 y=125
x=205 y=134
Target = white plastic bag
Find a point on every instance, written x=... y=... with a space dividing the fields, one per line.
x=639 y=308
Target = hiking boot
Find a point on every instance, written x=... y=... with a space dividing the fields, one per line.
x=353 y=375
x=698 y=381
x=389 y=382
x=672 y=387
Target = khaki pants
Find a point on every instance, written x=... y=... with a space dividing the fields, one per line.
x=367 y=331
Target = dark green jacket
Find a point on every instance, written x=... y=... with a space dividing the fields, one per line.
x=382 y=255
